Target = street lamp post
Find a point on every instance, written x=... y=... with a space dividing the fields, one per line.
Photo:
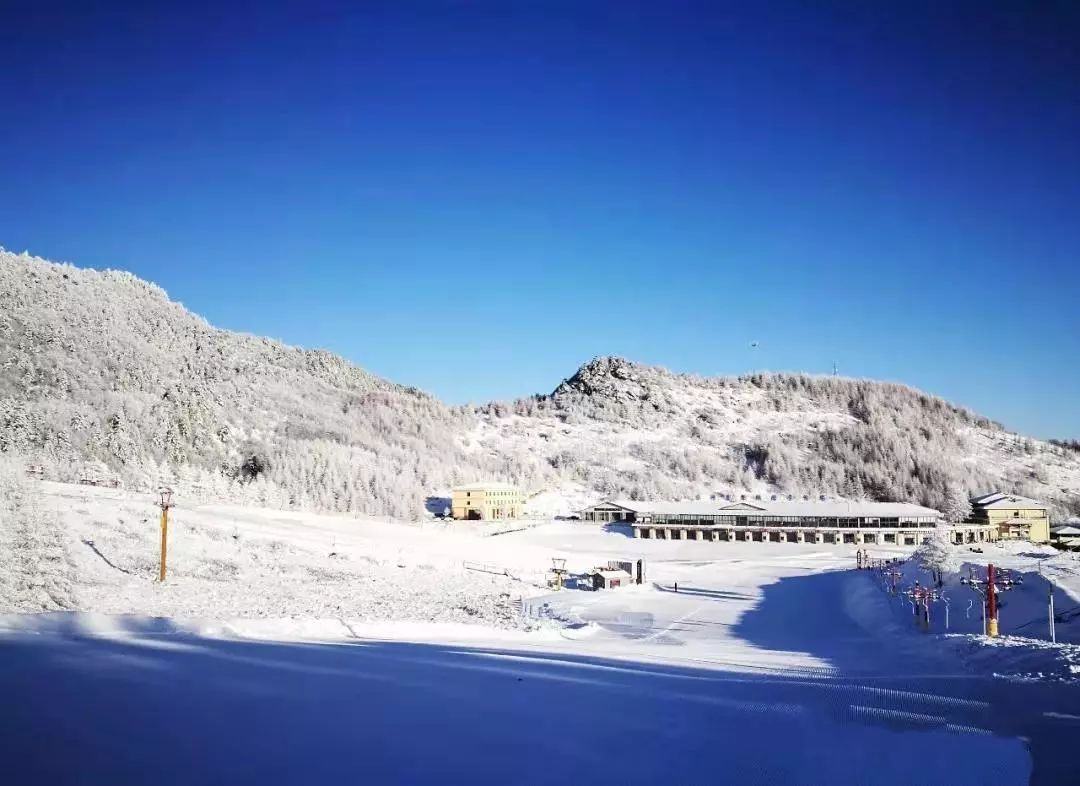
x=165 y=503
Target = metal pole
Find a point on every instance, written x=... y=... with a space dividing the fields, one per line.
x=991 y=601
x=1053 y=631
x=164 y=541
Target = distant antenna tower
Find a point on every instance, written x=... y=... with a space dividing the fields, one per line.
x=835 y=371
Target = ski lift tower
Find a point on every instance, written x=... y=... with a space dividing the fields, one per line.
x=921 y=598
x=990 y=588
x=894 y=576
x=558 y=569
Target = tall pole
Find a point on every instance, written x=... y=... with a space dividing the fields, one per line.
x=1053 y=631
x=164 y=541
x=991 y=602
x=166 y=503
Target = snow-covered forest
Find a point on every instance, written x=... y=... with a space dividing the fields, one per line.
x=103 y=375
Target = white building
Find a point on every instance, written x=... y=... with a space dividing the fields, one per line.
x=1067 y=535
x=838 y=521
x=610 y=579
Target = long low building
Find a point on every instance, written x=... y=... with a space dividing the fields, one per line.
x=840 y=521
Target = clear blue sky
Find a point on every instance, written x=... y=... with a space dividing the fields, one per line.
x=475 y=198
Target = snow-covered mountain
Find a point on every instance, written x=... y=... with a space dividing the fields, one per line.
x=102 y=373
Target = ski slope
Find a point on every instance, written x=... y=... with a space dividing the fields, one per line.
x=258 y=663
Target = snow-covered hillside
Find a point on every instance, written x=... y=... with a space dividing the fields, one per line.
x=100 y=373
x=97 y=550
x=635 y=431
x=101 y=369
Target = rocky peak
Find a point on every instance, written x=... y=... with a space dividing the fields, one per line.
x=610 y=377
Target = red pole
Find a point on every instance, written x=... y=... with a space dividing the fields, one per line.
x=991 y=603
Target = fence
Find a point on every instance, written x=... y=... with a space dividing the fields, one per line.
x=484 y=567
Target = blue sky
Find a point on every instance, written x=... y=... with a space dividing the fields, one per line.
x=475 y=198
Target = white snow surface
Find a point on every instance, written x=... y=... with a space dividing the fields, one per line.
x=299 y=648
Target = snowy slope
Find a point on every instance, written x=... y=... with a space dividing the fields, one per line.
x=234 y=563
x=295 y=648
x=101 y=374
x=769 y=665
x=627 y=430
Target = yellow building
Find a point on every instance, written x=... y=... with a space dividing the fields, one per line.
x=1015 y=517
x=486 y=501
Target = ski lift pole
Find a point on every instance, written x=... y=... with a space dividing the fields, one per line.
x=991 y=602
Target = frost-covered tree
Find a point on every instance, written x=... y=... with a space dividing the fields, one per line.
x=101 y=369
x=35 y=568
x=957 y=505
x=938 y=555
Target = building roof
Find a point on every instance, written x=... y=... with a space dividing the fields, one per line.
x=625 y=504
x=483 y=485
x=850 y=508
x=1065 y=529
x=1001 y=500
x=831 y=508
x=612 y=574
x=705 y=508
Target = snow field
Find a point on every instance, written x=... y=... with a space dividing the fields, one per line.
x=226 y=563
x=362 y=646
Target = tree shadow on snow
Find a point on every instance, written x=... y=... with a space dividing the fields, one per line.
x=81 y=708
x=704 y=593
x=105 y=559
x=437 y=506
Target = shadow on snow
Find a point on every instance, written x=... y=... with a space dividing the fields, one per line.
x=218 y=710
x=868 y=637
